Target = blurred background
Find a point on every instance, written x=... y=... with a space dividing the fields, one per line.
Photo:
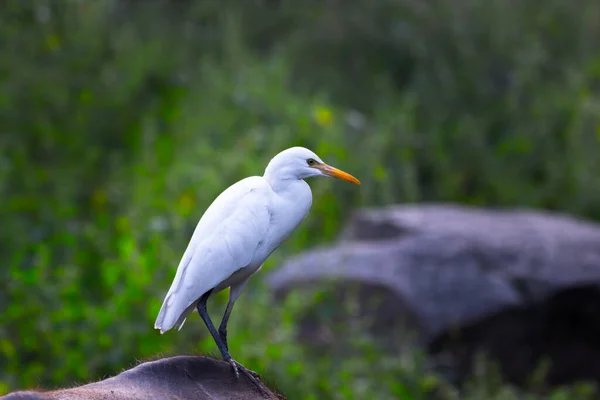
x=122 y=120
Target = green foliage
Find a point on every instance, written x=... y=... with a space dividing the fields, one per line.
x=123 y=121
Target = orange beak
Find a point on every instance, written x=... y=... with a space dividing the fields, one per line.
x=336 y=173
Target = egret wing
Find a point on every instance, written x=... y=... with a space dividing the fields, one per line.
x=224 y=241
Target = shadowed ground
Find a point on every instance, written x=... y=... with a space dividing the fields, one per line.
x=180 y=378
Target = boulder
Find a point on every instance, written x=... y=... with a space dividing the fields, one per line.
x=472 y=279
x=181 y=378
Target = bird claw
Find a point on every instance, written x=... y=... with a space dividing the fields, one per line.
x=234 y=365
x=251 y=375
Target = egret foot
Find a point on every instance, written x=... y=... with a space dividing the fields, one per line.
x=251 y=375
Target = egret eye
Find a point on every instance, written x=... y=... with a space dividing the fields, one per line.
x=311 y=162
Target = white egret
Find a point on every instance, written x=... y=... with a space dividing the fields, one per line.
x=236 y=234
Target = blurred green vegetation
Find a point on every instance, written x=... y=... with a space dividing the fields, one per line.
x=123 y=120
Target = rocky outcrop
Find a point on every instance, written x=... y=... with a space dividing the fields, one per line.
x=514 y=283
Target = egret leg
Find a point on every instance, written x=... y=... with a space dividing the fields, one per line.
x=222 y=348
x=223 y=325
x=234 y=293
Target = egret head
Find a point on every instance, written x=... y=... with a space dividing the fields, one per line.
x=300 y=163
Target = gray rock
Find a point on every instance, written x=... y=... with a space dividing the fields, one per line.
x=455 y=266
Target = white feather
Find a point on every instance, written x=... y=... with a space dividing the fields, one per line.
x=239 y=230
x=224 y=241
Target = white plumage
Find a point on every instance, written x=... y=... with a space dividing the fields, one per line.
x=239 y=230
